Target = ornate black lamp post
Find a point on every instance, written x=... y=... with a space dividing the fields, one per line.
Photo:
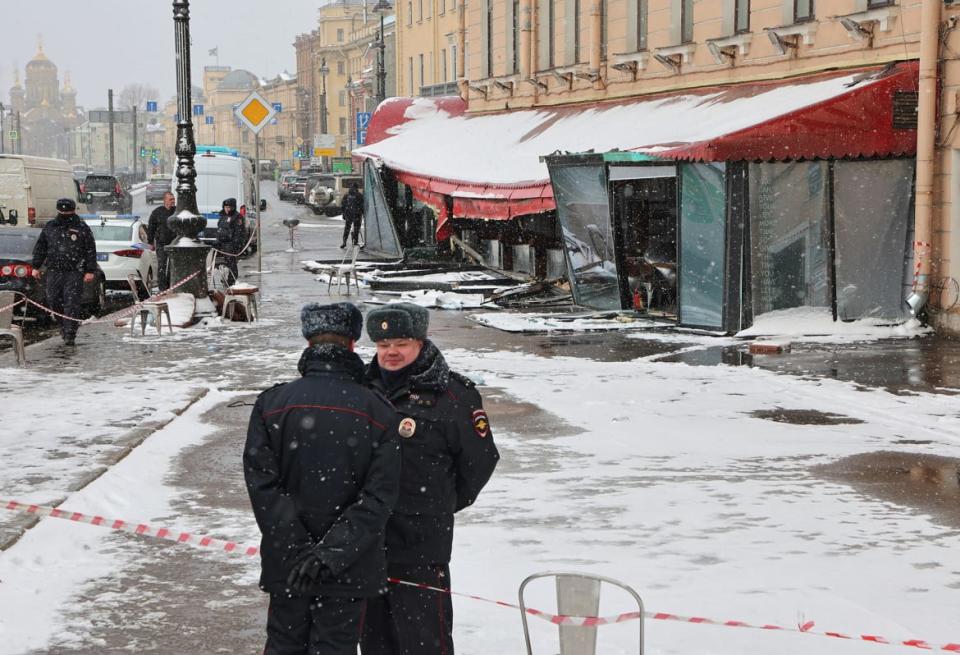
x=187 y=255
x=382 y=7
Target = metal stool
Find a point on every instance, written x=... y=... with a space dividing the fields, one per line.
x=578 y=594
x=155 y=310
x=246 y=297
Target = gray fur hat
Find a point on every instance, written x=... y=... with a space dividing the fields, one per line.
x=402 y=320
x=341 y=318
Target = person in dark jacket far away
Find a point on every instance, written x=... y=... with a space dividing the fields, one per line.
x=231 y=235
x=160 y=235
x=352 y=210
x=67 y=249
x=322 y=466
x=448 y=456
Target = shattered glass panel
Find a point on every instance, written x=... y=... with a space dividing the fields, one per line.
x=789 y=236
x=584 y=213
x=703 y=200
x=379 y=233
x=872 y=201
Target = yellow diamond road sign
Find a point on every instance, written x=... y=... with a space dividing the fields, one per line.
x=255 y=112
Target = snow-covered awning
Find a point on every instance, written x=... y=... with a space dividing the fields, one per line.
x=490 y=165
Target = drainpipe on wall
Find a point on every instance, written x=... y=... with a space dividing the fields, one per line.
x=526 y=25
x=461 y=46
x=926 y=152
x=596 y=27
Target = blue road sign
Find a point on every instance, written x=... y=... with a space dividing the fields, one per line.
x=151 y=105
x=154 y=161
x=363 y=120
x=198 y=110
x=361 y=137
x=208 y=120
x=274 y=121
x=277 y=107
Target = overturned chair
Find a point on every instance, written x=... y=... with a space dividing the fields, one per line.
x=8 y=329
x=578 y=595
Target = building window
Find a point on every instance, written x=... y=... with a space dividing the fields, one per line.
x=641 y=24
x=515 y=36
x=488 y=45
x=421 y=71
x=443 y=58
x=453 y=63
x=686 y=20
x=419 y=10
x=340 y=68
x=410 y=12
x=343 y=125
x=802 y=10
x=339 y=35
x=576 y=31
x=551 y=33
x=410 y=72
x=873 y=4
x=342 y=98
x=443 y=7
x=741 y=16
x=429 y=8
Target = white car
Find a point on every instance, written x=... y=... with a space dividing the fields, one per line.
x=122 y=249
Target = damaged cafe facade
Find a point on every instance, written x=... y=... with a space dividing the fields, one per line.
x=737 y=173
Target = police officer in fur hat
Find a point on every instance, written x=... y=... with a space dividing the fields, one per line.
x=322 y=466
x=67 y=252
x=448 y=456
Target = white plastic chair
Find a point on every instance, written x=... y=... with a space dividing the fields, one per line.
x=147 y=310
x=578 y=594
x=8 y=329
x=345 y=271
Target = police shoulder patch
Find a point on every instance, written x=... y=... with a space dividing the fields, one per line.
x=462 y=379
x=481 y=425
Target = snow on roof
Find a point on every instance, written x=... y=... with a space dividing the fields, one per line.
x=505 y=147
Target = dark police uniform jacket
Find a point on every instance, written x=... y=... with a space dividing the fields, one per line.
x=322 y=466
x=159 y=232
x=352 y=209
x=66 y=244
x=448 y=456
x=231 y=233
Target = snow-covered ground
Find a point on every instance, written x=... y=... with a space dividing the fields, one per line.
x=655 y=474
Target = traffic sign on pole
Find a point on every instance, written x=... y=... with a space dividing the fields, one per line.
x=255 y=112
x=151 y=105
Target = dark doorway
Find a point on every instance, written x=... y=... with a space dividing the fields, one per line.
x=645 y=213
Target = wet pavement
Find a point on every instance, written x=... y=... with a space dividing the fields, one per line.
x=213 y=605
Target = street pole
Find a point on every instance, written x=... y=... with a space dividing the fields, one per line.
x=323 y=109
x=3 y=133
x=256 y=200
x=186 y=255
x=110 y=119
x=382 y=7
x=135 y=153
x=19 y=136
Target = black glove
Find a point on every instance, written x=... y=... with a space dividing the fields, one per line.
x=305 y=572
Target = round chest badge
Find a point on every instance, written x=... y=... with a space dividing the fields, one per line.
x=73 y=237
x=407 y=427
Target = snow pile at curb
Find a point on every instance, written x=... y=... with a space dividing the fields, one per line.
x=816 y=325
x=438 y=299
x=539 y=322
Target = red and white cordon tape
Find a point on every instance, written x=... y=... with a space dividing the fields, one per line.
x=11 y=306
x=253 y=233
x=231 y=547
x=118 y=314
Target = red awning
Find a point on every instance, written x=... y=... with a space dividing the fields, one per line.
x=488 y=165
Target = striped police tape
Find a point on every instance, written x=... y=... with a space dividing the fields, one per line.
x=177 y=536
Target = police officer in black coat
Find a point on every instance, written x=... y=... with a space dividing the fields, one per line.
x=231 y=235
x=448 y=456
x=67 y=249
x=322 y=466
x=160 y=235
x=352 y=211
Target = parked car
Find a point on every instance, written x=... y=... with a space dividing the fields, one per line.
x=283 y=185
x=16 y=274
x=326 y=195
x=157 y=185
x=106 y=193
x=296 y=189
x=30 y=188
x=122 y=250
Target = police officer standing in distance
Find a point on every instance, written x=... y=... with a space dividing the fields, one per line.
x=322 y=466
x=352 y=210
x=160 y=236
x=230 y=235
x=67 y=249
x=448 y=456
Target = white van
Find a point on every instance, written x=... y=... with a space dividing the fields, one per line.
x=221 y=176
x=31 y=186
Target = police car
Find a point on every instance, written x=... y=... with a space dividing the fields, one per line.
x=122 y=250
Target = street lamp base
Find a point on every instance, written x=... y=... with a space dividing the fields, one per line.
x=186 y=257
